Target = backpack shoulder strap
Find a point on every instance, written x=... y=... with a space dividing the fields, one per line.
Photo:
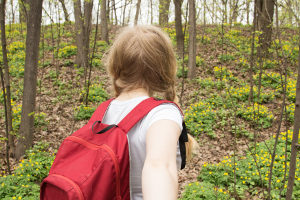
x=142 y=110
x=100 y=111
x=137 y=113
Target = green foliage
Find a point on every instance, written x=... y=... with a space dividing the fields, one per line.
x=201 y=118
x=67 y=51
x=24 y=182
x=226 y=58
x=97 y=63
x=242 y=94
x=252 y=172
x=290 y=111
x=15 y=47
x=224 y=73
x=204 y=39
x=243 y=62
x=102 y=45
x=199 y=61
x=207 y=83
x=83 y=112
x=288 y=48
x=290 y=90
x=270 y=64
x=269 y=79
x=96 y=93
x=52 y=74
x=16 y=58
x=257 y=114
x=39 y=118
x=205 y=191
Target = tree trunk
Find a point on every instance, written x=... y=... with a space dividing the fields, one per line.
x=107 y=11
x=164 y=6
x=252 y=61
x=12 y=11
x=104 y=27
x=62 y=2
x=79 y=32
x=248 y=10
x=234 y=9
x=23 y=10
x=178 y=27
x=192 y=39
x=151 y=8
x=83 y=28
x=265 y=11
x=88 y=8
x=224 y=2
x=295 y=139
x=213 y=12
x=115 y=12
x=204 y=15
x=124 y=13
x=138 y=7
x=129 y=13
x=6 y=78
x=30 y=76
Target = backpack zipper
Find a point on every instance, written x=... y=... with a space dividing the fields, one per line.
x=75 y=186
x=109 y=151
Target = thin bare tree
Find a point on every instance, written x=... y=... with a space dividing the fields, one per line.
x=104 y=25
x=30 y=77
x=63 y=5
x=6 y=78
x=295 y=145
x=178 y=28
x=138 y=7
x=164 y=6
x=192 y=39
x=265 y=11
x=23 y=10
x=83 y=28
x=248 y=11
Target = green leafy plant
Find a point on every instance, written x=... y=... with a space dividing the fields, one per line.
x=242 y=94
x=67 y=51
x=200 y=118
x=199 y=61
x=251 y=170
x=226 y=58
x=39 y=118
x=257 y=114
x=96 y=93
x=24 y=182
x=290 y=111
x=224 y=73
x=179 y=72
x=205 y=191
x=269 y=79
x=290 y=90
x=83 y=112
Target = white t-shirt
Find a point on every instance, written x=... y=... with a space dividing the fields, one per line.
x=137 y=135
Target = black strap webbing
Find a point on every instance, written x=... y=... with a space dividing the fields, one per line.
x=182 y=140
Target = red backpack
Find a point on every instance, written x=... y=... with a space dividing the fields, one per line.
x=93 y=163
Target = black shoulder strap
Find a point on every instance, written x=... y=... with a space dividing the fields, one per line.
x=182 y=140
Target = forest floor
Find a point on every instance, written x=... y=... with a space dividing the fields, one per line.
x=60 y=89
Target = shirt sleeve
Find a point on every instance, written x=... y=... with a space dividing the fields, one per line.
x=164 y=112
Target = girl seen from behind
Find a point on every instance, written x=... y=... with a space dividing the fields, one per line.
x=142 y=63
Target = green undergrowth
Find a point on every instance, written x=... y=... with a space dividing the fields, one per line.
x=25 y=181
x=216 y=181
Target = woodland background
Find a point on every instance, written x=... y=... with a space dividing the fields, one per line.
x=238 y=65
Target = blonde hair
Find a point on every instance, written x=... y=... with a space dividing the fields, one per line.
x=143 y=57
